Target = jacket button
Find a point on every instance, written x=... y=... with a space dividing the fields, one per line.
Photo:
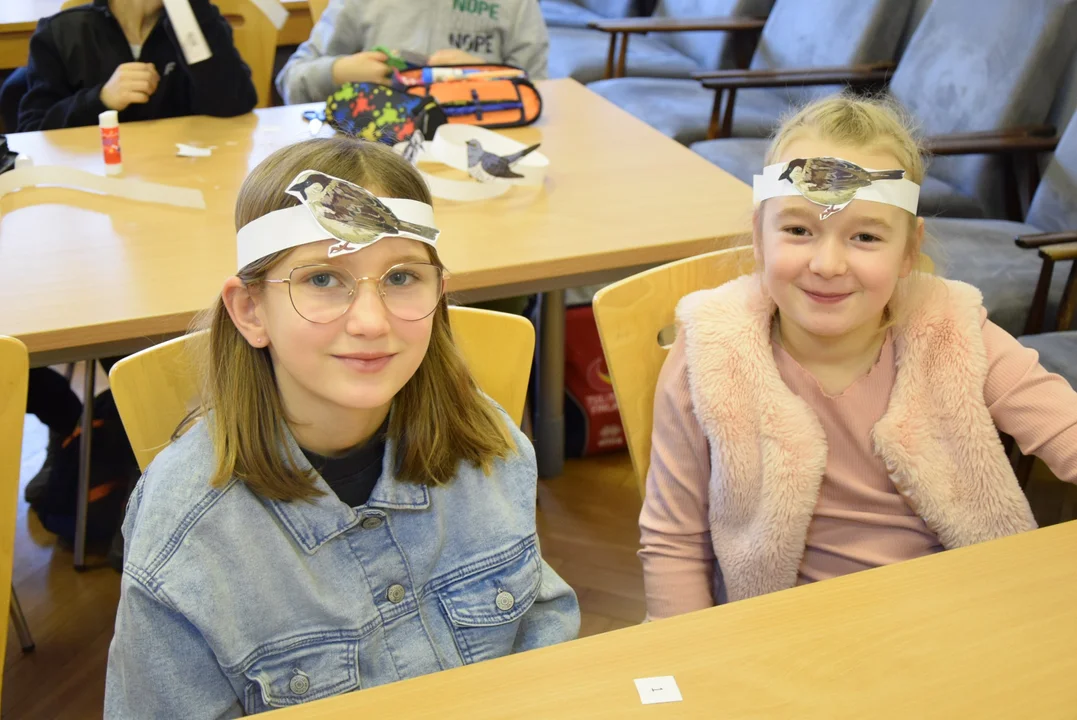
x=299 y=684
x=396 y=593
x=371 y=523
x=505 y=601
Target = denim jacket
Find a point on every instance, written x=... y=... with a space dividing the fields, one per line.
x=233 y=604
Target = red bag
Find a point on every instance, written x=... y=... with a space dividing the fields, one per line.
x=592 y=420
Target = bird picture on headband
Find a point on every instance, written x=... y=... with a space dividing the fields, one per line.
x=351 y=214
x=486 y=166
x=832 y=182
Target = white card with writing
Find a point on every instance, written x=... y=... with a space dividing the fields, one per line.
x=658 y=690
x=191 y=40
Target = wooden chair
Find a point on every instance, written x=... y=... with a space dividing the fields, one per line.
x=635 y=319
x=317 y=7
x=14 y=376
x=254 y=36
x=156 y=388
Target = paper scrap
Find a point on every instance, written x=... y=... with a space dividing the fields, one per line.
x=274 y=10
x=138 y=190
x=184 y=150
x=191 y=40
x=656 y=690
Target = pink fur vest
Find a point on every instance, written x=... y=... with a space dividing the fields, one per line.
x=768 y=450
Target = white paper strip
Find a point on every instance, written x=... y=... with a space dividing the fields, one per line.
x=191 y=40
x=137 y=190
x=277 y=13
x=185 y=150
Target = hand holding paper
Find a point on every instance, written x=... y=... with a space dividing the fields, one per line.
x=367 y=66
x=130 y=83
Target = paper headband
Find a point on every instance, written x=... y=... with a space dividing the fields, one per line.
x=834 y=183
x=333 y=209
x=494 y=161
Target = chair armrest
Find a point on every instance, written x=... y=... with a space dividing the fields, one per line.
x=664 y=24
x=1037 y=138
x=1058 y=253
x=738 y=79
x=1039 y=240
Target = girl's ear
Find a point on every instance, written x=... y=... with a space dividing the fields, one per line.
x=912 y=254
x=245 y=311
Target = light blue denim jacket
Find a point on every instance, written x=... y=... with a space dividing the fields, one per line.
x=233 y=604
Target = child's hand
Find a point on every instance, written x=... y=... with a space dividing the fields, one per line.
x=132 y=82
x=452 y=56
x=362 y=67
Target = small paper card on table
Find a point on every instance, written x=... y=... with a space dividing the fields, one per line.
x=658 y=690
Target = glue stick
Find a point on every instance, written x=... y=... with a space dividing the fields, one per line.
x=109 y=122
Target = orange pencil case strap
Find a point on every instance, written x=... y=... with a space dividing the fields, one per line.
x=493 y=96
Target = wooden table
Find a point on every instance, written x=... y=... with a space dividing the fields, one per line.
x=18 y=19
x=84 y=276
x=983 y=632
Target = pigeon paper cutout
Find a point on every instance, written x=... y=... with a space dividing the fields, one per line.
x=488 y=167
x=831 y=182
x=352 y=214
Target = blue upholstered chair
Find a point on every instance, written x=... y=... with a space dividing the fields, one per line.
x=970 y=66
x=797 y=35
x=658 y=46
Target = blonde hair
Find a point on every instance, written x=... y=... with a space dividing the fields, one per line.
x=439 y=417
x=875 y=123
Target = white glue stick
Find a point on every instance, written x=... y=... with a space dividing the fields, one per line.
x=109 y=122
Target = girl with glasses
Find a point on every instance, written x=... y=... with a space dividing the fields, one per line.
x=347 y=509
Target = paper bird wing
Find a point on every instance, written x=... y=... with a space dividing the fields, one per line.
x=352 y=205
x=830 y=174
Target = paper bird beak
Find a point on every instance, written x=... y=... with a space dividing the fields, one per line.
x=787 y=174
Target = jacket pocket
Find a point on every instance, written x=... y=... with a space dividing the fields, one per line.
x=300 y=673
x=484 y=607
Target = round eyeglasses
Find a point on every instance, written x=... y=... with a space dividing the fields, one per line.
x=323 y=293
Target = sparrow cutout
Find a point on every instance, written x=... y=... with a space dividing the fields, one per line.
x=352 y=214
x=333 y=209
x=834 y=183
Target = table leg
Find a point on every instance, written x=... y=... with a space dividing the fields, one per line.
x=550 y=398
x=90 y=370
x=26 y=641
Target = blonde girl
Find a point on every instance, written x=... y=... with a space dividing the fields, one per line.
x=837 y=410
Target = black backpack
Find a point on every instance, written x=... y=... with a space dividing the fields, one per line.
x=113 y=474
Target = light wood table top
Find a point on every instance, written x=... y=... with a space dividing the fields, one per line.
x=18 y=19
x=983 y=632
x=78 y=270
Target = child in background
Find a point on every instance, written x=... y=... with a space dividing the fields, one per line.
x=350 y=509
x=451 y=32
x=838 y=410
x=124 y=55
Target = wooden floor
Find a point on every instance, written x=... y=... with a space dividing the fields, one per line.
x=587 y=526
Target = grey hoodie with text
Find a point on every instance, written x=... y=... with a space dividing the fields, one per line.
x=499 y=31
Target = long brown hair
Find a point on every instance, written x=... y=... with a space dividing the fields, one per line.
x=439 y=418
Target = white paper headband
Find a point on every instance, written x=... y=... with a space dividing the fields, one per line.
x=494 y=161
x=834 y=183
x=330 y=209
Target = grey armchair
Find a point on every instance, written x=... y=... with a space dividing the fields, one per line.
x=970 y=66
x=798 y=35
